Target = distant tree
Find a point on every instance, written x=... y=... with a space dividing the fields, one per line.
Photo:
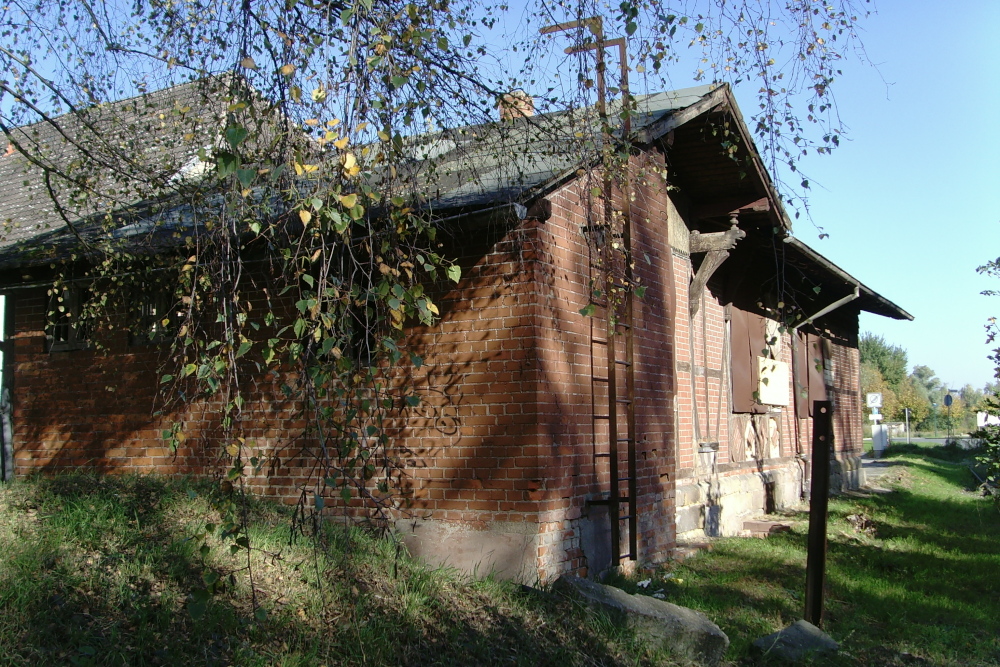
x=927 y=380
x=972 y=398
x=889 y=359
x=910 y=397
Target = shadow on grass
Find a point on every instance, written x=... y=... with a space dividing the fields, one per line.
x=915 y=583
x=99 y=570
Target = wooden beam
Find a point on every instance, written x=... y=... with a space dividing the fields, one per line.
x=745 y=204
x=709 y=102
x=713 y=260
x=717 y=245
x=716 y=240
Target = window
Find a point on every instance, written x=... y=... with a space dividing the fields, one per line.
x=67 y=330
x=154 y=321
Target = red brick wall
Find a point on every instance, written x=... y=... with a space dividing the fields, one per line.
x=505 y=431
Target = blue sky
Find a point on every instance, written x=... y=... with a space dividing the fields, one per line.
x=912 y=202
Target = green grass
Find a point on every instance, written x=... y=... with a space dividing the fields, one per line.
x=913 y=577
x=98 y=571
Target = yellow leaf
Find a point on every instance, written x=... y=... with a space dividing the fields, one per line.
x=305 y=216
x=311 y=122
x=298 y=169
x=434 y=309
x=318 y=95
x=341 y=143
x=349 y=200
x=233 y=449
x=353 y=171
x=349 y=161
x=287 y=70
x=334 y=122
x=360 y=127
x=249 y=63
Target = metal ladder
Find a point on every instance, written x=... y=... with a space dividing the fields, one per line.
x=613 y=374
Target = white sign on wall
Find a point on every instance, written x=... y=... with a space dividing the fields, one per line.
x=774 y=381
x=874 y=399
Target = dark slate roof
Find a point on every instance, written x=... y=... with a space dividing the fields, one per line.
x=513 y=160
x=457 y=170
x=159 y=133
x=466 y=168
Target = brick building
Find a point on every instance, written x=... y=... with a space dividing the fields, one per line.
x=528 y=456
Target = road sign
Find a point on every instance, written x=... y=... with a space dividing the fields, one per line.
x=874 y=399
x=948 y=400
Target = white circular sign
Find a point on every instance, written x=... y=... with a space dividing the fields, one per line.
x=874 y=399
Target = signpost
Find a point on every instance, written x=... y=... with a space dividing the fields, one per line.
x=880 y=434
x=948 y=400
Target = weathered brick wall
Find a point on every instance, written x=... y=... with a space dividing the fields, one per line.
x=572 y=441
x=82 y=407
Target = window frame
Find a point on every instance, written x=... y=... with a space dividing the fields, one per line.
x=77 y=332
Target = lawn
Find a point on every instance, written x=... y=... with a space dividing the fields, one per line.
x=100 y=571
x=913 y=576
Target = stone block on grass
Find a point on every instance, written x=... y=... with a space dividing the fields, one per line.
x=797 y=642
x=681 y=631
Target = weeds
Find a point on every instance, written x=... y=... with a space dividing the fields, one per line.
x=100 y=571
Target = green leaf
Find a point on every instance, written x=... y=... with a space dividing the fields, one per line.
x=345 y=494
x=413 y=401
x=318 y=501
x=454 y=273
x=399 y=81
x=226 y=163
x=235 y=134
x=416 y=360
x=189 y=369
x=210 y=577
x=640 y=291
x=588 y=310
x=197 y=609
x=244 y=348
x=246 y=176
x=260 y=614
x=166 y=378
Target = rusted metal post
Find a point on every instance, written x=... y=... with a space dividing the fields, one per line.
x=819 y=497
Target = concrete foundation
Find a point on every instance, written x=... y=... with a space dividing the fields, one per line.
x=717 y=505
x=507 y=550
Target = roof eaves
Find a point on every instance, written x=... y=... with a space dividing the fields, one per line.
x=886 y=307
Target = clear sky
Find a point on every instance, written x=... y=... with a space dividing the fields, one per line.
x=912 y=201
